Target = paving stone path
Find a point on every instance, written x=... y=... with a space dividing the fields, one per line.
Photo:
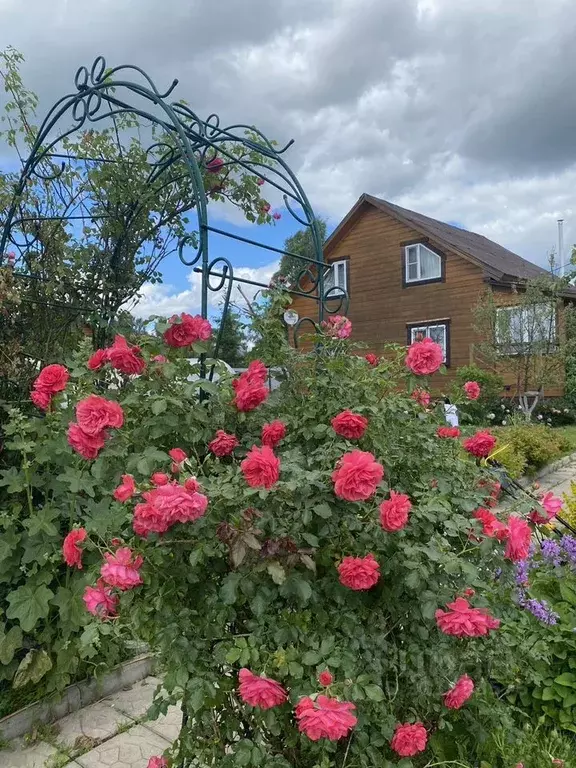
x=114 y=732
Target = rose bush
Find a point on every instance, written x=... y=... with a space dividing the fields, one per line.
x=254 y=546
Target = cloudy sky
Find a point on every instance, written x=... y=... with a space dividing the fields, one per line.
x=461 y=109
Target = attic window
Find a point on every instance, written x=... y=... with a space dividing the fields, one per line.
x=421 y=264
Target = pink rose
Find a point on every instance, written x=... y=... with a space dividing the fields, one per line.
x=121 y=569
x=52 y=379
x=409 y=740
x=223 y=444
x=472 y=390
x=459 y=693
x=337 y=326
x=41 y=398
x=372 y=359
x=159 y=478
x=126 y=489
x=491 y=526
x=359 y=573
x=325 y=678
x=552 y=504
x=88 y=446
x=187 y=331
x=95 y=413
x=518 y=543
x=394 y=512
x=357 y=476
x=349 y=425
x=446 y=432
x=215 y=165
x=100 y=601
x=250 y=396
x=325 y=718
x=422 y=397
x=125 y=358
x=71 y=552
x=463 y=621
x=157 y=762
x=424 y=357
x=261 y=692
x=480 y=444
x=261 y=468
x=98 y=359
x=273 y=433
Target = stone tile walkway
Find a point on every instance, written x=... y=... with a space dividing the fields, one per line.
x=112 y=733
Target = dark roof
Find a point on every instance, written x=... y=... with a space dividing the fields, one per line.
x=498 y=262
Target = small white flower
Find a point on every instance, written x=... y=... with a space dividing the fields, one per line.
x=491 y=415
x=565 y=410
x=504 y=423
x=503 y=406
x=540 y=416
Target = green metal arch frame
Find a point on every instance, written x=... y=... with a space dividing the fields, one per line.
x=102 y=94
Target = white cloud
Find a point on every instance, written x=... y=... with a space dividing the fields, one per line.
x=166 y=299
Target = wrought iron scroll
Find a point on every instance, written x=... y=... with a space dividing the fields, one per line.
x=103 y=95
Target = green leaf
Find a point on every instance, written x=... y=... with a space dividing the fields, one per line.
x=311 y=658
x=566 y=678
x=277 y=572
x=32 y=668
x=548 y=694
x=41 y=522
x=229 y=588
x=295 y=670
x=323 y=510
x=569 y=701
x=159 y=406
x=374 y=692
x=29 y=605
x=70 y=605
x=9 y=644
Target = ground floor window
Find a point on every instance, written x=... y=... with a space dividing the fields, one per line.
x=437 y=330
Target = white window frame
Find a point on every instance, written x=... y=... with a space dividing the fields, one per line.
x=424 y=329
x=518 y=346
x=335 y=267
x=409 y=251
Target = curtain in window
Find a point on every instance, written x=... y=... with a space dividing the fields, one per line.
x=430 y=266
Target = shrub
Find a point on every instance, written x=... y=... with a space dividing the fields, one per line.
x=554 y=413
x=491 y=386
x=529 y=445
x=321 y=553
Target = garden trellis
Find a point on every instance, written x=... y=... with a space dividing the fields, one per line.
x=183 y=151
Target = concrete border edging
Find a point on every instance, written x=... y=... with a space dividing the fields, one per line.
x=548 y=469
x=76 y=696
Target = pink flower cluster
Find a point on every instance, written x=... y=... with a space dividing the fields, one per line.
x=51 y=380
x=250 y=387
x=461 y=620
x=337 y=326
x=94 y=416
x=121 y=570
x=516 y=533
x=122 y=356
x=186 y=330
x=165 y=506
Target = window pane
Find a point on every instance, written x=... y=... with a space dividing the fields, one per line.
x=438 y=334
x=328 y=278
x=417 y=334
x=412 y=254
x=340 y=270
x=430 y=264
x=412 y=271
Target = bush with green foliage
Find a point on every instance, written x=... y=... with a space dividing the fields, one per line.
x=491 y=387
x=255 y=582
x=557 y=412
x=526 y=448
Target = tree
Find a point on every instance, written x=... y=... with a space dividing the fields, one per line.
x=527 y=338
x=301 y=243
x=233 y=342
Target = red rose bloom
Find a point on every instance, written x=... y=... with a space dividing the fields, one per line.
x=325 y=678
x=159 y=478
x=177 y=454
x=121 y=569
x=215 y=165
x=157 y=762
x=518 y=543
x=41 y=399
x=273 y=433
x=472 y=390
x=491 y=526
x=445 y=432
x=422 y=397
x=95 y=413
x=424 y=357
x=256 y=373
x=357 y=476
x=349 y=425
x=52 y=379
x=337 y=326
x=125 y=358
x=188 y=331
x=71 y=552
x=192 y=485
x=394 y=512
x=261 y=468
x=372 y=359
x=250 y=396
x=481 y=444
x=325 y=718
x=88 y=446
x=261 y=692
x=463 y=621
x=165 y=506
x=459 y=693
x=98 y=359
x=100 y=601
x=359 y=573
x=223 y=444
x=409 y=740
x=126 y=489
